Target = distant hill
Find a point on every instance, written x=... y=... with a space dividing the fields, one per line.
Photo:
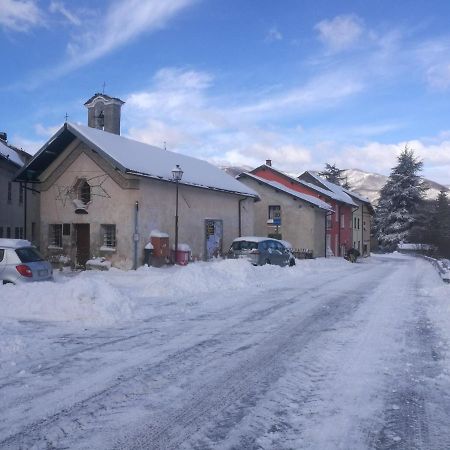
x=366 y=183
x=370 y=184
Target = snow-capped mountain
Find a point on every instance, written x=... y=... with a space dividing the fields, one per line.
x=367 y=184
x=370 y=184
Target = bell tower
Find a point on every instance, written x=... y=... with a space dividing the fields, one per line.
x=104 y=112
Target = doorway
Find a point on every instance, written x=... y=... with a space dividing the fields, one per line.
x=213 y=238
x=82 y=242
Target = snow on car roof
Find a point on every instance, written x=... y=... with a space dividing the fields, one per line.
x=150 y=161
x=254 y=239
x=307 y=198
x=14 y=243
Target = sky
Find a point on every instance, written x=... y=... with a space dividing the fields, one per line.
x=237 y=82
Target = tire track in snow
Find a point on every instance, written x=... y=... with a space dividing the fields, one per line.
x=74 y=415
x=417 y=409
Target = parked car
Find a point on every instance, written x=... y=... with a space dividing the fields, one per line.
x=262 y=250
x=20 y=262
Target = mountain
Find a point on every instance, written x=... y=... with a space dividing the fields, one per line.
x=370 y=184
x=367 y=184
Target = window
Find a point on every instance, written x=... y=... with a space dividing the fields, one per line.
x=1 y=232
x=342 y=221
x=84 y=191
x=358 y=223
x=2 y=254
x=354 y=225
x=109 y=236
x=18 y=233
x=9 y=191
x=66 y=229
x=8 y=232
x=274 y=212
x=20 y=194
x=55 y=235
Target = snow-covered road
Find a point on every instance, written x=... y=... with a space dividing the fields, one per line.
x=325 y=355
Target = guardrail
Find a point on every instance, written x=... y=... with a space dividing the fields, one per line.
x=440 y=266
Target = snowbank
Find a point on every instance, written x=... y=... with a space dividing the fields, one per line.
x=88 y=300
x=104 y=298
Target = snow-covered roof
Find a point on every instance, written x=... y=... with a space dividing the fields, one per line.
x=146 y=160
x=281 y=187
x=332 y=190
x=10 y=154
x=356 y=195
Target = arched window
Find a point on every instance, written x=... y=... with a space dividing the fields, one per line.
x=83 y=191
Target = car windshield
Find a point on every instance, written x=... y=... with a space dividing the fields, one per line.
x=245 y=245
x=28 y=254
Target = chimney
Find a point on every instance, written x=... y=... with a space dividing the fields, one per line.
x=104 y=112
x=269 y=162
x=3 y=136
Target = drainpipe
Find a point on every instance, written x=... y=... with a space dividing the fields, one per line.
x=240 y=216
x=338 y=209
x=362 y=229
x=327 y=214
x=353 y=222
x=136 y=235
x=24 y=209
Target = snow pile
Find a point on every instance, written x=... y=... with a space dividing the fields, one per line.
x=83 y=299
x=103 y=297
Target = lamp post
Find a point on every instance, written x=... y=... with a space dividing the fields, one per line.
x=177 y=174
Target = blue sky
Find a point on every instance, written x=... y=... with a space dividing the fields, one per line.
x=238 y=82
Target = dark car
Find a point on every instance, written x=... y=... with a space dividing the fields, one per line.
x=262 y=250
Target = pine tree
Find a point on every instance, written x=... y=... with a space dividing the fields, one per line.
x=334 y=175
x=400 y=202
x=441 y=224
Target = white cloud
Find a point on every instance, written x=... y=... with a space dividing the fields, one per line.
x=46 y=131
x=20 y=15
x=319 y=93
x=121 y=23
x=273 y=35
x=341 y=32
x=59 y=7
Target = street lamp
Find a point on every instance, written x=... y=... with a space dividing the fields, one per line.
x=177 y=174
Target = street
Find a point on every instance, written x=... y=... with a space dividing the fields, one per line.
x=351 y=357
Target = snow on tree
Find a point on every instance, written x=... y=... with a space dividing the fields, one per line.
x=399 y=207
x=335 y=175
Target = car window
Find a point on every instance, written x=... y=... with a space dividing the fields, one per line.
x=2 y=254
x=271 y=245
x=245 y=245
x=279 y=246
x=264 y=245
x=28 y=254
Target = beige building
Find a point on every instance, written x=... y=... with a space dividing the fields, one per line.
x=289 y=215
x=102 y=195
x=19 y=204
x=361 y=223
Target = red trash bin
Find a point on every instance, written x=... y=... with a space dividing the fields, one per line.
x=183 y=255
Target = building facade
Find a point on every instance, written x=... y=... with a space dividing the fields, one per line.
x=19 y=204
x=286 y=214
x=102 y=195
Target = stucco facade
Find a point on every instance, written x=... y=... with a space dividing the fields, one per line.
x=19 y=211
x=116 y=199
x=362 y=217
x=302 y=224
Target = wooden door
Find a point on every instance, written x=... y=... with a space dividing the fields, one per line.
x=82 y=236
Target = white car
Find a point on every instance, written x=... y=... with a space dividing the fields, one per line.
x=20 y=262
